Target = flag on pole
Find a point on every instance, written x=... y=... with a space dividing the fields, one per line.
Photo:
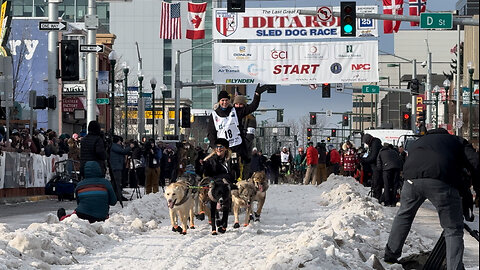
x=392 y=7
x=416 y=7
x=196 y=20
x=170 y=22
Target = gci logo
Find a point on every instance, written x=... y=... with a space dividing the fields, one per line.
x=279 y=54
x=361 y=67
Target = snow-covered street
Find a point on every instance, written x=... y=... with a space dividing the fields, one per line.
x=331 y=226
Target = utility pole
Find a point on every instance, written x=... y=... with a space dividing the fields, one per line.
x=457 y=85
x=53 y=118
x=91 y=23
x=428 y=87
x=414 y=98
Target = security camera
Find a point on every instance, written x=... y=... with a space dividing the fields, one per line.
x=424 y=64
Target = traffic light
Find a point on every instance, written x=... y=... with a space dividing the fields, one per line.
x=328 y=139
x=325 y=90
x=406 y=121
x=69 y=58
x=309 y=133
x=41 y=103
x=421 y=116
x=414 y=86
x=345 y=120
x=280 y=115
x=287 y=131
x=186 y=117
x=348 y=19
x=333 y=133
x=313 y=118
x=52 y=102
x=236 y=5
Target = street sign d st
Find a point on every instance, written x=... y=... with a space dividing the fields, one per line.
x=436 y=20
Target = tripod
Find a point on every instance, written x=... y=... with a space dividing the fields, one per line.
x=134 y=182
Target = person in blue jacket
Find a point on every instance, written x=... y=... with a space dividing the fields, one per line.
x=94 y=195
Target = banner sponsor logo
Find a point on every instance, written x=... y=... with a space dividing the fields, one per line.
x=295 y=63
x=229 y=69
x=284 y=23
x=226 y=23
x=240 y=81
x=361 y=67
x=349 y=51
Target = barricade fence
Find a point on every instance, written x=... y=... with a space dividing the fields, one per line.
x=26 y=170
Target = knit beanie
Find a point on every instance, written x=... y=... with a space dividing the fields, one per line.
x=240 y=99
x=223 y=94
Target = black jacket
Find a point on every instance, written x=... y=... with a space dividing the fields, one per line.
x=92 y=148
x=389 y=159
x=442 y=157
x=217 y=167
x=373 y=149
x=241 y=112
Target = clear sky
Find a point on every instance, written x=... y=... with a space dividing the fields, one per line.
x=297 y=101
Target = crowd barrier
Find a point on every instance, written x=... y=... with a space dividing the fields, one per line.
x=26 y=170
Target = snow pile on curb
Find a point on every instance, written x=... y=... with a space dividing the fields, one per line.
x=331 y=226
x=351 y=230
x=57 y=243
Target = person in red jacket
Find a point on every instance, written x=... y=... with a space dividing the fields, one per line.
x=312 y=161
x=334 y=159
x=349 y=159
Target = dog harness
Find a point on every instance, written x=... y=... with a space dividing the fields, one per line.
x=184 y=199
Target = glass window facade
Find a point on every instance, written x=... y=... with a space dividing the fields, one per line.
x=69 y=10
x=202 y=65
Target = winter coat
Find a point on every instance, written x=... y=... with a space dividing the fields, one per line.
x=312 y=156
x=217 y=168
x=349 y=160
x=334 y=157
x=94 y=193
x=298 y=162
x=92 y=148
x=389 y=159
x=256 y=163
x=117 y=156
x=241 y=113
x=441 y=156
x=152 y=156
x=373 y=149
x=322 y=153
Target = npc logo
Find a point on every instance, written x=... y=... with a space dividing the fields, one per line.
x=226 y=23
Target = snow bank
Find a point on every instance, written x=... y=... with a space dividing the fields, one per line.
x=331 y=226
x=58 y=243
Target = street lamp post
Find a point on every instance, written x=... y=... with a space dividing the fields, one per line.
x=436 y=91
x=126 y=69
x=153 y=84
x=113 y=60
x=446 y=85
x=471 y=70
x=141 y=107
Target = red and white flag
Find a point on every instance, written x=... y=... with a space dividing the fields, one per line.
x=392 y=7
x=196 y=20
x=416 y=7
x=170 y=22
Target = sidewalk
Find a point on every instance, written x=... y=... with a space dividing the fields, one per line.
x=35 y=198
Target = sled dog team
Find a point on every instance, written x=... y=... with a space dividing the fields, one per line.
x=213 y=197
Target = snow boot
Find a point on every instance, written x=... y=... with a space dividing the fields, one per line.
x=61 y=213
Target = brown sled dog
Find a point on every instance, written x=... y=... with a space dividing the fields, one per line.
x=243 y=198
x=260 y=181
